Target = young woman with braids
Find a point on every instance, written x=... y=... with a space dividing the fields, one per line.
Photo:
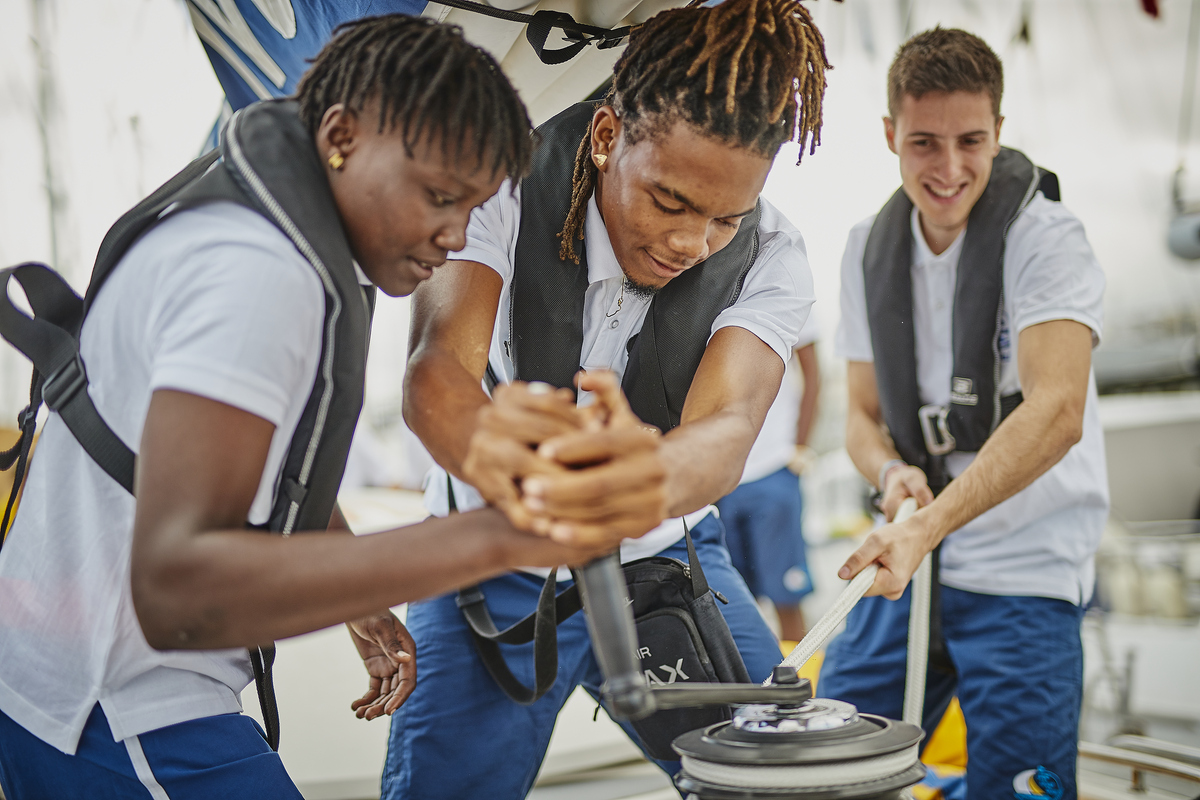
x=123 y=620
x=639 y=249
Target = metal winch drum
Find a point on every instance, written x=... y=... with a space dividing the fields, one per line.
x=781 y=743
x=819 y=750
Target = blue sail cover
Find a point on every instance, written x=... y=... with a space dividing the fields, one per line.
x=260 y=48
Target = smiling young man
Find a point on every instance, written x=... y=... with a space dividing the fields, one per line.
x=970 y=306
x=638 y=250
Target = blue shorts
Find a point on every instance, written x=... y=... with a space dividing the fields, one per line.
x=1019 y=677
x=221 y=756
x=762 y=529
x=460 y=736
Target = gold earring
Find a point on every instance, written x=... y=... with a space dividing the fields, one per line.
x=600 y=158
x=336 y=161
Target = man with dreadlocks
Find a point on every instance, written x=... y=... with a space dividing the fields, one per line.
x=970 y=307
x=638 y=250
x=125 y=620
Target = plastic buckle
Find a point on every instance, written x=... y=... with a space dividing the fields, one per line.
x=27 y=415
x=64 y=384
x=938 y=439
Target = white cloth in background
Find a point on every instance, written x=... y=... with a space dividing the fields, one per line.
x=773 y=305
x=214 y=301
x=1041 y=541
x=776 y=442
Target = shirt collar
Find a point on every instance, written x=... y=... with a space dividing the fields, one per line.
x=601 y=260
x=363 y=280
x=922 y=255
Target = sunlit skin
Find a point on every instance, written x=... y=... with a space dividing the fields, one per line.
x=672 y=199
x=946 y=143
x=402 y=212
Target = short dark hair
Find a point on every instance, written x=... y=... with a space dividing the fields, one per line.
x=944 y=60
x=427 y=79
x=747 y=72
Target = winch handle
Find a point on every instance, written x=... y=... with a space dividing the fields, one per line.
x=606 y=606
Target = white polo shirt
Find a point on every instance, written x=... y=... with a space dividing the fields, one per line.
x=214 y=301
x=1041 y=541
x=776 y=442
x=773 y=305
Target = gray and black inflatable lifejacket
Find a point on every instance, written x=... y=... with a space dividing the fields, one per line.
x=267 y=162
x=924 y=434
x=547 y=293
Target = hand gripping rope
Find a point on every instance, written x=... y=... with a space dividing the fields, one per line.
x=918 y=624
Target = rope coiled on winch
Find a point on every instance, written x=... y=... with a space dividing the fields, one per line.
x=808 y=776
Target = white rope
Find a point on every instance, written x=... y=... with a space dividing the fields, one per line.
x=815 y=639
x=918 y=641
x=813 y=776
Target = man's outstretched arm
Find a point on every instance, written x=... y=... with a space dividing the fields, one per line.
x=1054 y=363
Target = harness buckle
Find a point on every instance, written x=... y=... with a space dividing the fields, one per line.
x=64 y=384
x=938 y=439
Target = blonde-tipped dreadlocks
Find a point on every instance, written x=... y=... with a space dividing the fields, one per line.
x=747 y=72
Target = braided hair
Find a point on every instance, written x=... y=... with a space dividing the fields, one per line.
x=428 y=80
x=747 y=72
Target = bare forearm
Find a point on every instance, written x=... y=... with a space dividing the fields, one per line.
x=240 y=588
x=867 y=445
x=810 y=370
x=808 y=412
x=441 y=404
x=704 y=460
x=1030 y=441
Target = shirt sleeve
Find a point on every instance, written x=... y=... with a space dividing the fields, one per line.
x=853 y=339
x=492 y=231
x=811 y=330
x=776 y=296
x=240 y=323
x=1050 y=270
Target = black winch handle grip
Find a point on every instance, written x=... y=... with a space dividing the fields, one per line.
x=614 y=638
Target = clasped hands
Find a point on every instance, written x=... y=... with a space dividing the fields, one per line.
x=586 y=477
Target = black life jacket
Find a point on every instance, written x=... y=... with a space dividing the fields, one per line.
x=547 y=293
x=267 y=162
x=976 y=406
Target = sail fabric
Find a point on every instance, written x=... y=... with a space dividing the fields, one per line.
x=260 y=48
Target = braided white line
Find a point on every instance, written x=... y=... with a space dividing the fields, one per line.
x=813 y=776
x=918 y=641
x=820 y=633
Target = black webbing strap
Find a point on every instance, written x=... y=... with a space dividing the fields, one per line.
x=540 y=627
x=544 y=634
x=262 y=659
x=19 y=452
x=49 y=338
x=541 y=23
